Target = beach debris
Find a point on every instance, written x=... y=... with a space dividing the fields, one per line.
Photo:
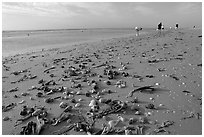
x=8 y=107
x=83 y=127
x=51 y=100
x=121 y=84
x=161 y=130
x=199 y=65
x=142 y=89
x=40 y=112
x=63 y=117
x=142 y=120
x=161 y=69
x=135 y=100
x=185 y=91
x=63 y=105
x=25 y=94
x=29 y=128
x=150 y=76
x=68 y=109
x=13 y=89
x=92 y=103
x=77 y=105
x=21 y=102
x=25 y=111
x=114 y=106
x=113 y=123
x=102 y=100
x=173 y=76
x=131 y=121
x=101 y=65
x=79 y=93
x=64 y=130
x=47 y=70
x=122 y=119
x=150 y=106
x=40 y=125
x=137 y=112
x=21 y=71
x=39 y=94
x=107 y=82
x=192 y=115
x=6 y=118
x=166 y=123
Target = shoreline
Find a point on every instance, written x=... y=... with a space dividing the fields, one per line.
x=72 y=44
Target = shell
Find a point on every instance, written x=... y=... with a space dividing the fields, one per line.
x=31 y=98
x=92 y=103
x=102 y=100
x=68 y=108
x=77 y=105
x=137 y=113
x=112 y=123
x=79 y=93
x=37 y=112
x=122 y=119
x=63 y=105
x=21 y=102
x=80 y=99
x=6 y=118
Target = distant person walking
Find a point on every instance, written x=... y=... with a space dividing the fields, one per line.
x=176 y=26
x=159 y=28
x=137 y=31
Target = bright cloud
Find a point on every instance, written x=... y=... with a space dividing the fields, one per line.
x=99 y=14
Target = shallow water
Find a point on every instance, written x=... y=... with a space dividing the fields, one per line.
x=14 y=42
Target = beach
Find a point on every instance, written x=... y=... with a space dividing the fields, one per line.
x=145 y=85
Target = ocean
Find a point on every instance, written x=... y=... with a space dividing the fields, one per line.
x=17 y=42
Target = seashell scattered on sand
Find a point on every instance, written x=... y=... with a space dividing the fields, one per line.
x=102 y=100
x=161 y=105
x=21 y=102
x=137 y=113
x=63 y=105
x=92 y=103
x=122 y=119
x=77 y=105
x=6 y=118
x=112 y=123
x=80 y=99
x=78 y=92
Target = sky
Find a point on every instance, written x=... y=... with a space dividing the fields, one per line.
x=69 y=15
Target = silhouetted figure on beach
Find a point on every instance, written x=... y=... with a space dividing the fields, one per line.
x=176 y=26
x=159 y=28
x=137 y=31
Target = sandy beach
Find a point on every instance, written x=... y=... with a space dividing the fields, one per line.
x=146 y=85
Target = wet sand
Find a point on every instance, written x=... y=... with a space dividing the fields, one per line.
x=171 y=64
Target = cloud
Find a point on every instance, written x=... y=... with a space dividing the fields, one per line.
x=144 y=10
x=42 y=9
x=187 y=7
x=66 y=9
